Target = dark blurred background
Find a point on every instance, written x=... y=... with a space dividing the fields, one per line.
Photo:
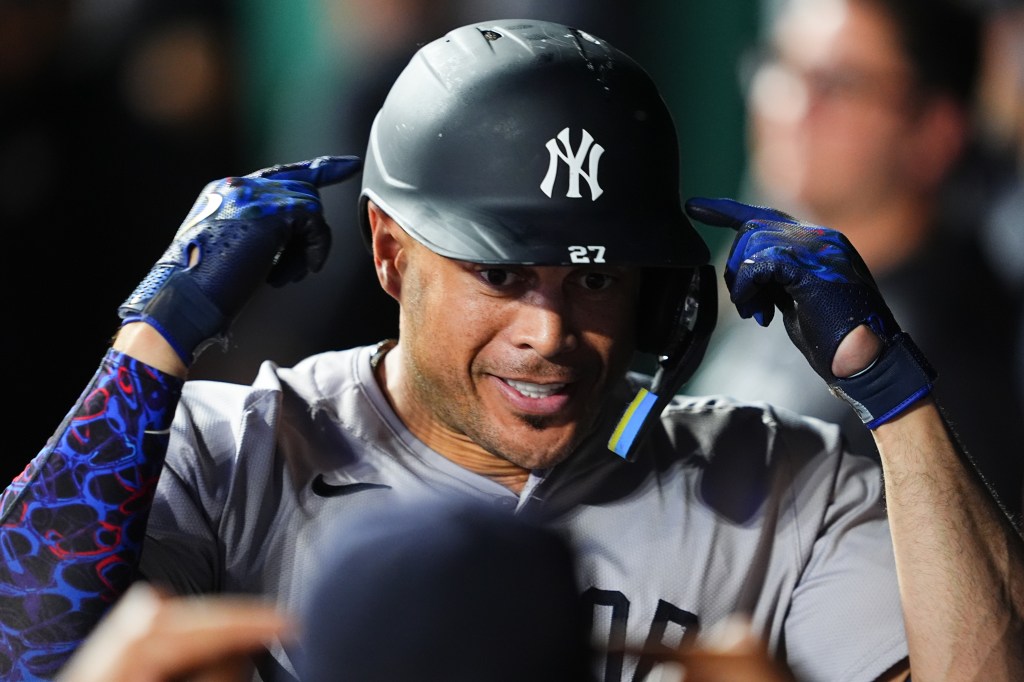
x=116 y=113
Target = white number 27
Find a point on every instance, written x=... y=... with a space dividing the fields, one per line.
x=586 y=254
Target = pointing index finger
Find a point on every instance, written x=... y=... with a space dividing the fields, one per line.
x=731 y=213
x=319 y=172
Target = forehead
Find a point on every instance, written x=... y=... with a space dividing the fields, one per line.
x=820 y=32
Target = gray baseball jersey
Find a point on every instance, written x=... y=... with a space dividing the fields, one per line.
x=730 y=507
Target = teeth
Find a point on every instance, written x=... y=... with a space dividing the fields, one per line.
x=535 y=390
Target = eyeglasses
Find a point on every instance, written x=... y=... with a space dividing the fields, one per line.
x=769 y=79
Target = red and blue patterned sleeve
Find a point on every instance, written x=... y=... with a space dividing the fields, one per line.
x=72 y=523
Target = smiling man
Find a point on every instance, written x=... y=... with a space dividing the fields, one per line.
x=521 y=202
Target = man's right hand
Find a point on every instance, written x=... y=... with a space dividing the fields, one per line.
x=242 y=231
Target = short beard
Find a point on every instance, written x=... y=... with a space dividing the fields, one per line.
x=536 y=421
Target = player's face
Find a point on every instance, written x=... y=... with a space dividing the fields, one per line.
x=512 y=359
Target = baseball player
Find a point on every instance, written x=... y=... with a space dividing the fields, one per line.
x=520 y=199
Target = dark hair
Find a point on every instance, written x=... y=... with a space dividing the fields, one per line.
x=942 y=41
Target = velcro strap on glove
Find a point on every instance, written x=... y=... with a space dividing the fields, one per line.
x=898 y=378
x=183 y=315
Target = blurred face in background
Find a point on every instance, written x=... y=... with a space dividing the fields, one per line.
x=833 y=111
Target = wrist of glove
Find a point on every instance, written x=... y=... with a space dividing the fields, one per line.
x=819 y=282
x=171 y=301
x=898 y=378
x=267 y=226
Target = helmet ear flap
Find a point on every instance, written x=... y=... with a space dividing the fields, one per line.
x=676 y=304
x=678 y=311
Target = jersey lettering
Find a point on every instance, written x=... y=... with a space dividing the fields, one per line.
x=661 y=635
x=610 y=615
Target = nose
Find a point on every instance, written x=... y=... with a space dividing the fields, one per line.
x=543 y=323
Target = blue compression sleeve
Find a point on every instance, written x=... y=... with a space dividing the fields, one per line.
x=72 y=523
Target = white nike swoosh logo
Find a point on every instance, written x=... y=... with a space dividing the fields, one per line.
x=213 y=202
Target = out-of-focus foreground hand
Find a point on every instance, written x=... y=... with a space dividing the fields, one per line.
x=825 y=291
x=150 y=637
x=730 y=651
x=242 y=231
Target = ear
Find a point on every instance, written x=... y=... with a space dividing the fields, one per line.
x=941 y=135
x=386 y=242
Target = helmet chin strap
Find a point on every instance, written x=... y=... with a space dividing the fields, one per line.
x=675 y=368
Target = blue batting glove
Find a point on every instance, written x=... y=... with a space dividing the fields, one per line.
x=265 y=226
x=824 y=290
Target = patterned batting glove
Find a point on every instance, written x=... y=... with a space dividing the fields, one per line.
x=265 y=226
x=824 y=290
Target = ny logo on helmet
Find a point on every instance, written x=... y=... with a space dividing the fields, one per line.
x=574 y=160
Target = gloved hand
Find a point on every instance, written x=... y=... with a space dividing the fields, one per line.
x=265 y=226
x=824 y=290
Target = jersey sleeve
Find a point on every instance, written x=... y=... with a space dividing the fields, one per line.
x=208 y=489
x=72 y=523
x=851 y=572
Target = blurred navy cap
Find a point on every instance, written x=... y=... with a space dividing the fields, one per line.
x=443 y=591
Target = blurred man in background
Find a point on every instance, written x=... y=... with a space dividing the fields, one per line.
x=859 y=114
